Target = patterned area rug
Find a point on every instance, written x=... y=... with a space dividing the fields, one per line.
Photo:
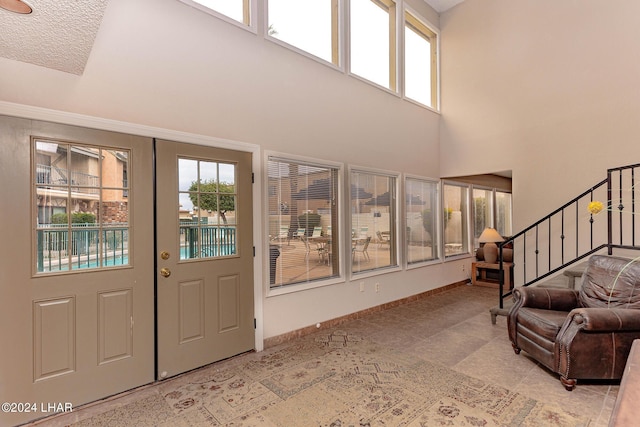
x=334 y=379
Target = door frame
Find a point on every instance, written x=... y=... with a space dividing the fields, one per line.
x=37 y=113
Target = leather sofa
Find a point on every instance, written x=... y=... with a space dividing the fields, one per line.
x=581 y=334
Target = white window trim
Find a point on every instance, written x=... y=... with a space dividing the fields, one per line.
x=347 y=238
x=253 y=13
x=440 y=258
x=288 y=289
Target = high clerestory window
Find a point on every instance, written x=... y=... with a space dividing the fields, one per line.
x=373 y=41
x=384 y=42
x=311 y=26
x=239 y=11
x=420 y=61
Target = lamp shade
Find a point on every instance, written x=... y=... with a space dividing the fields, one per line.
x=490 y=235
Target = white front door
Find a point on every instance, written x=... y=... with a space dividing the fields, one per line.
x=76 y=266
x=205 y=255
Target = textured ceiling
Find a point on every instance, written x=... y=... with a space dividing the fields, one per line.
x=58 y=34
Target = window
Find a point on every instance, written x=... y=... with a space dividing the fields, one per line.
x=303 y=221
x=207 y=194
x=238 y=10
x=504 y=214
x=373 y=41
x=373 y=219
x=81 y=207
x=420 y=61
x=455 y=200
x=482 y=211
x=421 y=201
x=310 y=25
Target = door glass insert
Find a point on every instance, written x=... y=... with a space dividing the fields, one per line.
x=207 y=195
x=82 y=206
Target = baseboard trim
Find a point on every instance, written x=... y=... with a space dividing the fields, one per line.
x=332 y=323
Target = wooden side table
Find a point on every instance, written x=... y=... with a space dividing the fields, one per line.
x=482 y=268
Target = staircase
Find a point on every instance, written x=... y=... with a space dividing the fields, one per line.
x=574 y=231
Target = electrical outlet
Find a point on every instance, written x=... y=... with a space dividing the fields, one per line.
x=361 y=286
x=377 y=287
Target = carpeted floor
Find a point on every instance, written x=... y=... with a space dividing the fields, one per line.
x=380 y=370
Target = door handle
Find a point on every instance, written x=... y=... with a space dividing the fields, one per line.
x=165 y=255
x=165 y=272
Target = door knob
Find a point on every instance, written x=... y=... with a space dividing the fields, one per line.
x=165 y=272
x=164 y=255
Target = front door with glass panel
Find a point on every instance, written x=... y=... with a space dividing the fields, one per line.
x=76 y=302
x=205 y=255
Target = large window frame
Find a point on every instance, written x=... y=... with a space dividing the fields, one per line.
x=455 y=207
x=422 y=222
x=503 y=212
x=498 y=211
x=374 y=207
x=390 y=7
x=483 y=211
x=414 y=23
x=335 y=59
x=302 y=254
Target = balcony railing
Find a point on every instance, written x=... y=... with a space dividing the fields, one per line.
x=52 y=175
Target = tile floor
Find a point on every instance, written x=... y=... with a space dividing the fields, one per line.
x=452 y=328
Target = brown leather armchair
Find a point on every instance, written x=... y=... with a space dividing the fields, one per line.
x=581 y=334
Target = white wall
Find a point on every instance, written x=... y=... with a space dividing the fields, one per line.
x=546 y=88
x=162 y=64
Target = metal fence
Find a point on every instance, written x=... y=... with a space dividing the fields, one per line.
x=82 y=246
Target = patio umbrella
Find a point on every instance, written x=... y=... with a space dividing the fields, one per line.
x=320 y=189
x=384 y=200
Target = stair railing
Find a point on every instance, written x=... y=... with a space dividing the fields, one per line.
x=575 y=230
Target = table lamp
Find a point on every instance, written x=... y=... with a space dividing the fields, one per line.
x=489 y=237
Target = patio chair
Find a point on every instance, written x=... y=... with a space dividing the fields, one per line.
x=384 y=238
x=283 y=234
x=300 y=233
x=317 y=232
x=307 y=247
x=361 y=245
